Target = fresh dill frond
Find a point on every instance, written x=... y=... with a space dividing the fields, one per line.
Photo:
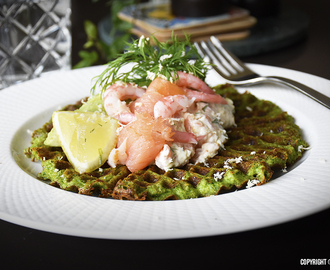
x=151 y=60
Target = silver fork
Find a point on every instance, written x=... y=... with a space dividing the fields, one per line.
x=235 y=72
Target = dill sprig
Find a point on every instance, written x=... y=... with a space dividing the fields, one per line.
x=151 y=60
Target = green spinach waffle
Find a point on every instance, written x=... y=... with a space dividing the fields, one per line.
x=264 y=139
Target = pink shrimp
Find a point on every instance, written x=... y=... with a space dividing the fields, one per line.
x=204 y=93
x=114 y=103
x=157 y=90
x=146 y=103
x=170 y=105
x=206 y=97
x=125 y=117
x=187 y=80
x=184 y=137
x=118 y=155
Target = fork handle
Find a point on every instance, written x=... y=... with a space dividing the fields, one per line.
x=313 y=94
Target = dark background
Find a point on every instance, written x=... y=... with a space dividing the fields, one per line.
x=310 y=55
x=275 y=247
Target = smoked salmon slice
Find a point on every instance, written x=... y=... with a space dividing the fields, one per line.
x=146 y=137
x=165 y=88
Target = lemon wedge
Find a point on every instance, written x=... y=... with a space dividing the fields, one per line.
x=86 y=138
x=52 y=139
x=93 y=104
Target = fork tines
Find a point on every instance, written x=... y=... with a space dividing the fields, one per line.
x=224 y=62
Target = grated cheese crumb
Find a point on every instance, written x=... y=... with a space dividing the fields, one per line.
x=253 y=153
x=164 y=57
x=218 y=175
x=162 y=76
x=249 y=108
x=151 y=75
x=232 y=160
x=252 y=183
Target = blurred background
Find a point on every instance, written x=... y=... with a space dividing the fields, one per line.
x=41 y=36
x=285 y=32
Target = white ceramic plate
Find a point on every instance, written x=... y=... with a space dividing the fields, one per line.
x=26 y=201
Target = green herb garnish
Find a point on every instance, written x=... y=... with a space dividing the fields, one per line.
x=151 y=60
x=204 y=108
x=216 y=121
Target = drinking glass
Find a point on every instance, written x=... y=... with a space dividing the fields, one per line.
x=35 y=39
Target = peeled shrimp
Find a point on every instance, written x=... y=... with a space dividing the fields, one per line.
x=125 y=117
x=157 y=90
x=182 y=87
x=187 y=80
x=146 y=103
x=205 y=97
x=170 y=105
x=118 y=155
x=184 y=137
x=114 y=103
